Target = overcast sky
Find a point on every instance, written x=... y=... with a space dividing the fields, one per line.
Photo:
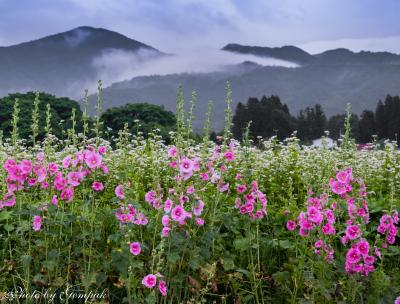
x=176 y=25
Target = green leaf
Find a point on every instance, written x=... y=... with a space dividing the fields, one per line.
x=4 y=215
x=173 y=257
x=242 y=244
x=8 y=227
x=281 y=277
x=228 y=264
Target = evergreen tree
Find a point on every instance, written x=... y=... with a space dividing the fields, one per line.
x=268 y=116
x=366 y=127
x=311 y=123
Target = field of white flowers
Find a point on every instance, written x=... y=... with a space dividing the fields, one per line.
x=199 y=222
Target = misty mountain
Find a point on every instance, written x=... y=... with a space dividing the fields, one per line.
x=332 y=79
x=332 y=57
x=63 y=63
x=288 y=53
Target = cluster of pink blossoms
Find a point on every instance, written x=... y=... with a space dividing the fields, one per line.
x=28 y=174
x=252 y=201
x=150 y=281
x=321 y=217
x=129 y=214
x=176 y=213
x=388 y=227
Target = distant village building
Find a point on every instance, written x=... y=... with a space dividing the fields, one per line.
x=324 y=141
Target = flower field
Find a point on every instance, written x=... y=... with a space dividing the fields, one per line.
x=198 y=221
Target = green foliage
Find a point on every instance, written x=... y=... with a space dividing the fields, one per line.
x=60 y=109
x=140 y=117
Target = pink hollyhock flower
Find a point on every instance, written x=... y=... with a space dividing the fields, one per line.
x=343 y=177
x=183 y=199
x=141 y=220
x=149 y=281
x=172 y=152
x=26 y=166
x=178 y=213
x=353 y=232
x=190 y=190
x=66 y=161
x=249 y=207
x=135 y=248
x=150 y=196
x=102 y=149
x=204 y=176
x=16 y=174
x=32 y=182
x=241 y=188
x=54 y=200
x=37 y=222
x=314 y=215
x=353 y=256
x=40 y=156
x=9 y=165
x=167 y=205
x=75 y=178
x=328 y=229
x=229 y=155
x=44 y=185
x=223 y=187
x=330 y=216
x=238 y=176
x=97 y=186
x=390 y=239
x=369 y=259
x=165 y=232
x=377 y=253
x=397 y=301
x=53 y=168
x=93 y=160
x=338 y=187
x=291 y=225
x=60 y=182
x=200 y=221
x=198 y=210
x=119 y=192
x=41 y=173
x=318 y=244
x=186 y=166
x=104 y=168
x=395 y=217
x=214 y=178
x=162 y=287
x=8 y=200
x=165 y=220
x=238 y=202
x=363 y=247
x=67 y=194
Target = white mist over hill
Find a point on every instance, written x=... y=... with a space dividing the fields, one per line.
x=118 y=65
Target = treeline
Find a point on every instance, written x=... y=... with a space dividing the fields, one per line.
x=65 y=114
x=269 y=116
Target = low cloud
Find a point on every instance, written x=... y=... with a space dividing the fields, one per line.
x=117 y=65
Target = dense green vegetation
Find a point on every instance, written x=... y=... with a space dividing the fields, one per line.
x=206 y=222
